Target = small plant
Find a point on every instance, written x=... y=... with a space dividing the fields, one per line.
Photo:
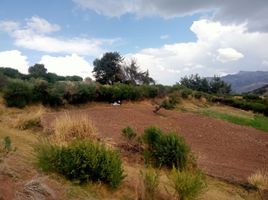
x=259 y=180
x=6 y=146
x=82 y=161
x=70 y=127
x=128 y=133
x=186 y=185
x=166 y=149
x=7 y=143
x=150 y=180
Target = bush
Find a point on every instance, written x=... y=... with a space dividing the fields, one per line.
x=150 y=180
x=169 y=150
x=70 y=127
x=187 y=185
x=81 y=93
x=55 y=96
x=172 y=100
x=129 y=133
x=185 y=93
x=18 y=93
x=40 y=90
x=82 y=161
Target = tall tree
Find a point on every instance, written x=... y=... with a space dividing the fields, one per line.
x=218 y=86
x=136 y=77
x=38 y=70
x=108 y=69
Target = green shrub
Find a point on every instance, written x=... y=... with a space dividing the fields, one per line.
x=18 y=93
x=150 y=180
x=185 y=93
x=187 y=185
x=40 y=88
x=82 y=161
x=166 y=149
x=129 y=133
x=81 y=93
x=172 y=100
x=55 y=96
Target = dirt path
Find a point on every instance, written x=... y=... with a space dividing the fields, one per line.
x=224 y=150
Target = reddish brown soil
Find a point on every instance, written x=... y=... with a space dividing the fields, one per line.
x=224 y=149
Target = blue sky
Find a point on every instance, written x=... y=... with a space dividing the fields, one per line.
x=170 y=38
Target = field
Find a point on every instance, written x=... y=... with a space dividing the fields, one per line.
x=228 y=153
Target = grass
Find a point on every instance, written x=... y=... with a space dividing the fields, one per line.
x=69 y=127
x=257 y=121
x=259 y=180
x=29 y=120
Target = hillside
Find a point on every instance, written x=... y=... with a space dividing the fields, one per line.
x=245 y=81
x=261 y=91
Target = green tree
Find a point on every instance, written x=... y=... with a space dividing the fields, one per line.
x=108 y=69
x=37 y=71
x=218 y=86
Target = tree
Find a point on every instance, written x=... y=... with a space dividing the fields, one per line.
x=38 y=70
x=218 y=86
x=108 y=69
x=136 y=77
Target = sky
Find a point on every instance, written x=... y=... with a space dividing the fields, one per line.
x=170 y=38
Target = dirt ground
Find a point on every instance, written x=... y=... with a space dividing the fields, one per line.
x=224 y=150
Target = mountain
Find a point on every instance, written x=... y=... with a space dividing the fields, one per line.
x=245 y=81
x=261 y=91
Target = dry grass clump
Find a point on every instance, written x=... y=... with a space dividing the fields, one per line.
x=35 y=189
x=70 y=127
x=259 y=179
x=29 y=120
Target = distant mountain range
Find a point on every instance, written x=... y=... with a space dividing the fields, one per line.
x=246 y=81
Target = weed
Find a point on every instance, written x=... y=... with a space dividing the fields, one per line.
x=150 y=180
x=186 y=184
x=128 y=133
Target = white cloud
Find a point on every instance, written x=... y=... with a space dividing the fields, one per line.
x=67 y=65
x=40 y=25
x=255 y=13
x=34 y=36
x=164 y=37
x=228 y=54
x=14 y=59
x=216 y=45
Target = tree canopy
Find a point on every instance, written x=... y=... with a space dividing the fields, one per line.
x=215 y=85
x=111 y=69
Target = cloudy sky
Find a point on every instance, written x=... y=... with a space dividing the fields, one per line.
x=171 y=38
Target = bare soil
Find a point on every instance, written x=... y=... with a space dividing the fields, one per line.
x=224 y=150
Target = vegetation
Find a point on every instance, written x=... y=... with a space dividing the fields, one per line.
x=150 y=181
x=187 y=185
x=18 y=93
x=259 y=179
x=166 y=149
x=129 y=133
x=258 y=121
x=69 y=127
x=109 y=70
x=28 y=121
x=82 y=161
x=214 y=86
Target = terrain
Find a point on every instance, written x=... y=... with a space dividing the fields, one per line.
x=226 y=152
x=245 y=81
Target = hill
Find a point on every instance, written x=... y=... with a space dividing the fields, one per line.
x=261 y=91
x=245 y=81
